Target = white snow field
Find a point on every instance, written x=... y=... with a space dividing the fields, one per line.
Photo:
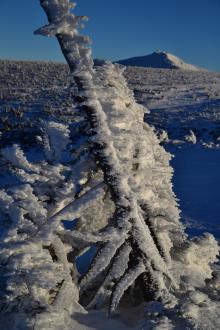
x=161 y=60
x=37 y=119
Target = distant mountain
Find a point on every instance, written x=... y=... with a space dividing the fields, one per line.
x=161 y=60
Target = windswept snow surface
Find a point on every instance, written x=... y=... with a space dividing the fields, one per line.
x=158 y=60
x=185 y=110
x=180 y=102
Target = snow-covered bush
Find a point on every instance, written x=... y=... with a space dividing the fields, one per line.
x=191 y=137
x=40 y=194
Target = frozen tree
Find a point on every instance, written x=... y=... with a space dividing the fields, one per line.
x=104 y=182
x=135 y=169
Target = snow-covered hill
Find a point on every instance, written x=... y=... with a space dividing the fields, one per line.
x=159 y=60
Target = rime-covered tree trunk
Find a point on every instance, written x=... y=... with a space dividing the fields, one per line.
x=122 y=152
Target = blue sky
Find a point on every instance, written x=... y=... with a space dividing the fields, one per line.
x=120 y=29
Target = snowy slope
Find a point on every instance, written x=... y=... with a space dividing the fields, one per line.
x=159 y=60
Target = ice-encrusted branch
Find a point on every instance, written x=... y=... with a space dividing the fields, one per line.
x=73 y=210
x=124 y=283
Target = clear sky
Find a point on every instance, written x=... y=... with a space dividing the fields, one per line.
x=119 y=29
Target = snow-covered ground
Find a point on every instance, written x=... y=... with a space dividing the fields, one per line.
x=180 y=102
x=196 y=184
x=185 y=110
